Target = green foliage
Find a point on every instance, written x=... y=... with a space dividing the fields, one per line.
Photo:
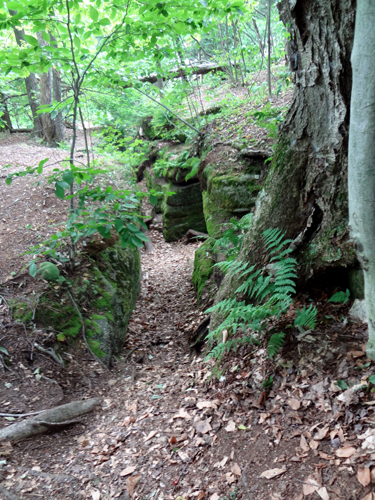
x=342 y=384
x=48 y=271
x=270 y=291
x=275 y=343
x=340 y=297
x=169 y=161
x=267 y=384
x=371 y=379
x=306 y=318
x=232 y=238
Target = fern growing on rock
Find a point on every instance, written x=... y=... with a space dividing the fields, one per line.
x=270 y=291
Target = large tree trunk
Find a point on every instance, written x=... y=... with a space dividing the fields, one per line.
x=362 y=154
x=31 y=83
x=305 y=192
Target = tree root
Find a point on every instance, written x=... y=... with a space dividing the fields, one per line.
x=61 y=415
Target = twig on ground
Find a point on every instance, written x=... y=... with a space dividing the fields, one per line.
x=129 y=354
x=21 y=414
x=84 y=332
x=51 y=353
x=244 y=481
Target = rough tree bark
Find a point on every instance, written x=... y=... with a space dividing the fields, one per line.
x=361 y=155
x=305 y=192
x=46 y=99
x=32 y=87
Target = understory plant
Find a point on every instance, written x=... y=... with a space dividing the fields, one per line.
x=182 y=161
x=267 y=295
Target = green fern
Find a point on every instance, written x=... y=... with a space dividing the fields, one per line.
x=220 y=349
x=306 y=318
x=340 y=297
x=275 y=343
x=270 y=294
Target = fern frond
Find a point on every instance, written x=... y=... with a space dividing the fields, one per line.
x=275 y=343
x=306 y=318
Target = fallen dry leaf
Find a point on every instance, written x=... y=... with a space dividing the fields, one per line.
x=5 y=449
x=294 y=404
x=355 y=354
x=364 y=476
x=95 y=494
x=310 y=486
x=235 y=468
x=150 y=436
x=263 y=417
x=173 y=440
x=345 y=452
x=321 y=434
x=129 y=470
x=269 y=474
x=182 y=413
x=323 y=493
x=303 y=444
x=202 y=426
x=313 y=444
x=206 y=404
x=131 y=483
x=369 y=496
x=325 y=456
x=230 y=477
x=215 y=496
x=231 y=427
x=184 y=456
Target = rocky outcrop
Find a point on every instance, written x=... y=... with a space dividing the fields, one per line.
x=231 y=181
x=106 y=294
x=180 y=201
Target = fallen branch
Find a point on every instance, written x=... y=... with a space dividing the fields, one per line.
x=51 y=353
x=59 y=415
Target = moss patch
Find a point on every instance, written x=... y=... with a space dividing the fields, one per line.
x=203 y=266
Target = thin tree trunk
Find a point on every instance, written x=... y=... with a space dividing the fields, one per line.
x=5 y=116
x=269 y=49
x=46 y=99
x=361 y=172
x=32 y=87
x=57 y=96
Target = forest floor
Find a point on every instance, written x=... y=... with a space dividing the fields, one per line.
x=165 y=428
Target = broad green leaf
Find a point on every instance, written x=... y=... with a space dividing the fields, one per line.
x=61 y=337
x=31 y=40
x=105 y=22
x=77 y=42
x=67 y=177
x=342 y=384
x=94 y=14
x=153 y=200
x=59 y=191
x=63 y=184
x=8 y=181
x=132 y=227
x=372 y=379
x=119 y=224
x=40 y=166
x=4 y=351
x=33 y=269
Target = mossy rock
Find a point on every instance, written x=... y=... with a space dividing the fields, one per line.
x=204 y=261
x=111 y=288
x=175 y=228
x=356 y=283
x=48 y=271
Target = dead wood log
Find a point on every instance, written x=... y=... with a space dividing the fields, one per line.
x=202 y=69
x=193 y=235
x=59 y=415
